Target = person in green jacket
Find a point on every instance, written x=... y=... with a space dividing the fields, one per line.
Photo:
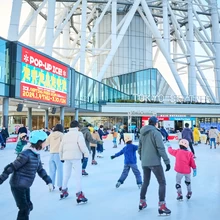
x=21 y=143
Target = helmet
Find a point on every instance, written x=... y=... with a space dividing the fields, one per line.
x=153 y=120
x=184 y=143
x=128 y=138
x=37 y=135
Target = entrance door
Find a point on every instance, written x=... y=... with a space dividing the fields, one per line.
x=179 y=125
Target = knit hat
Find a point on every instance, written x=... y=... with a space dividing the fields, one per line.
x=128 y=138
x=184 y=143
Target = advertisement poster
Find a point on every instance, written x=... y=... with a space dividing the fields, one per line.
x=43 y=79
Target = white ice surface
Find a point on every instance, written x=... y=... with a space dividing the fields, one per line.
x=107 y=202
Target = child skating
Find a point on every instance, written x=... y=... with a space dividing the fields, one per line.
x=183 y=165
x=130 y=161
x=24 y=169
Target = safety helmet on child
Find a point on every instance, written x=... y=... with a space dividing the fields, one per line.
x=37 y=135
x=184 y=143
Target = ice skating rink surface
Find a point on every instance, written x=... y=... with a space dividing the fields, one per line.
x=107 y=202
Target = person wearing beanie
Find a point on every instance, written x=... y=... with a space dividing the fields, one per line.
x=130 y=162
x=151 y=149
x=184 y=162
x=23 y=171
x=21 y=143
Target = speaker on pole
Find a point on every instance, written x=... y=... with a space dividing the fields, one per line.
x=53 y=111
x=19 y=107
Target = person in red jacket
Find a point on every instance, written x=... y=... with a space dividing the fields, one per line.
x=183 y=165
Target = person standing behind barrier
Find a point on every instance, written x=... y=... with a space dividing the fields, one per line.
x=151 y=149
x=5 y=134
x=55 y=165
x=213 y=134
x=196 y=135
x=188 y=135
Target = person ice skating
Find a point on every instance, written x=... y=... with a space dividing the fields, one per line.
x=72 y=148
x=121 y=133
x=55 y=165
x=164 y=133
x=21 y=143
x=130 y=162
x=115 y=135
x=5 y=134
x=100 y=146
x=95 y=136
x=196 y=135
x=24 y=169
x=151 y=149
x=188 y=135
x=183 y=165
x=88 y=139
x=213 y=134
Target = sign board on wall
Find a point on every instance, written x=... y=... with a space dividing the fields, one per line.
x=43 y=79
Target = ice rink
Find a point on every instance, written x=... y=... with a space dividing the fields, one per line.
x=107 y=202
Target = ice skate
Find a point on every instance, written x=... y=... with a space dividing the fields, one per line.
x=163 y=209
x=142 y=204
x=189 y=194
x=94 y=162
x=81 y=198
x=64 y=193
x=179 y=197
x=84 y=173
x=115 y=146
x=118 y=184
x=139 y=185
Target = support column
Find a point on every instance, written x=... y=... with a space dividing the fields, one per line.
x=33 y=31
x=76 y=114
x=15 y=20
x=114 y=22
x=216 y=43
x=30 y=118
x=5 y=108
x=83 y=37
x=46 y=118
x=166 y=29
x=191 y=59
x=62 y=116
x=49 y=38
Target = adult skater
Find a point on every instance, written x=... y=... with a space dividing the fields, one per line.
x=188 y=135
x=24 y=169
x=72 y=148
x=130 y=161
x=183 y=165
x=151 y=149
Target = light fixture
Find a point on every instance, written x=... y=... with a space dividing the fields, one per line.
x=25 y=105
x=38 y=106
x=49 y=108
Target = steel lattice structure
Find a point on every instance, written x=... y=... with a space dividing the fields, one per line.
x=186 y=32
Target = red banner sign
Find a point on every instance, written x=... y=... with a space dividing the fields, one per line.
x=42 y=94
x=146 y=118
x=44 y=63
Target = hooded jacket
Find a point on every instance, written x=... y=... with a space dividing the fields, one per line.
x=187 y=134
x=151 y=147
x=88 y=137
x=54 y=140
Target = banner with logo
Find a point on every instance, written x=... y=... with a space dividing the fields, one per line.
x=43 y=79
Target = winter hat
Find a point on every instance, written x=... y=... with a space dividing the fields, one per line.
x=184 y=143
x=128 y=138
x=153 y=120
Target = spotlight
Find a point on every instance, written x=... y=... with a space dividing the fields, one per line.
x=38 y=106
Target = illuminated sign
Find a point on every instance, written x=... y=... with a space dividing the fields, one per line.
x=43 y=79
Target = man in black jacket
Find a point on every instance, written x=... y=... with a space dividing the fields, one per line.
x=23 y=171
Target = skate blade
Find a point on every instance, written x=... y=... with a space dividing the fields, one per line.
x=81 y=203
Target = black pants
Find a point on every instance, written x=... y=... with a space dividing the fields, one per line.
x=121 y=138
x=23 y=202
x=93 y=152
x=159 y=173
x=191 y=147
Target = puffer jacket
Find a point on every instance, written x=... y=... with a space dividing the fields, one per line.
x=213 y=133
x=95 y=136
x=88 y=137
x=24 y=169
x=73 y=145
x=151 y=147
x=54 y=140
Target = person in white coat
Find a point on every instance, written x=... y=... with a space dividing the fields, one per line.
x=72 y=148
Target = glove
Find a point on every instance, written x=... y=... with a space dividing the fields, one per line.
x=51 y=187
x=194 y=172
x=112 y=157
x=167 y=167
x=62 y=161
x=100 y=142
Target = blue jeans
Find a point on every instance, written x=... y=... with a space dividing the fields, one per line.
x=55 y=165
x=126 y=172
x=84 y=162
x=99 y=148
x=114 y=141
x=212 y=140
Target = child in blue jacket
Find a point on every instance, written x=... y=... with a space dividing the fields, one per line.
x=130 y=161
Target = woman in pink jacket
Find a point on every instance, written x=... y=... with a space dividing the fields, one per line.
x=183 y=165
